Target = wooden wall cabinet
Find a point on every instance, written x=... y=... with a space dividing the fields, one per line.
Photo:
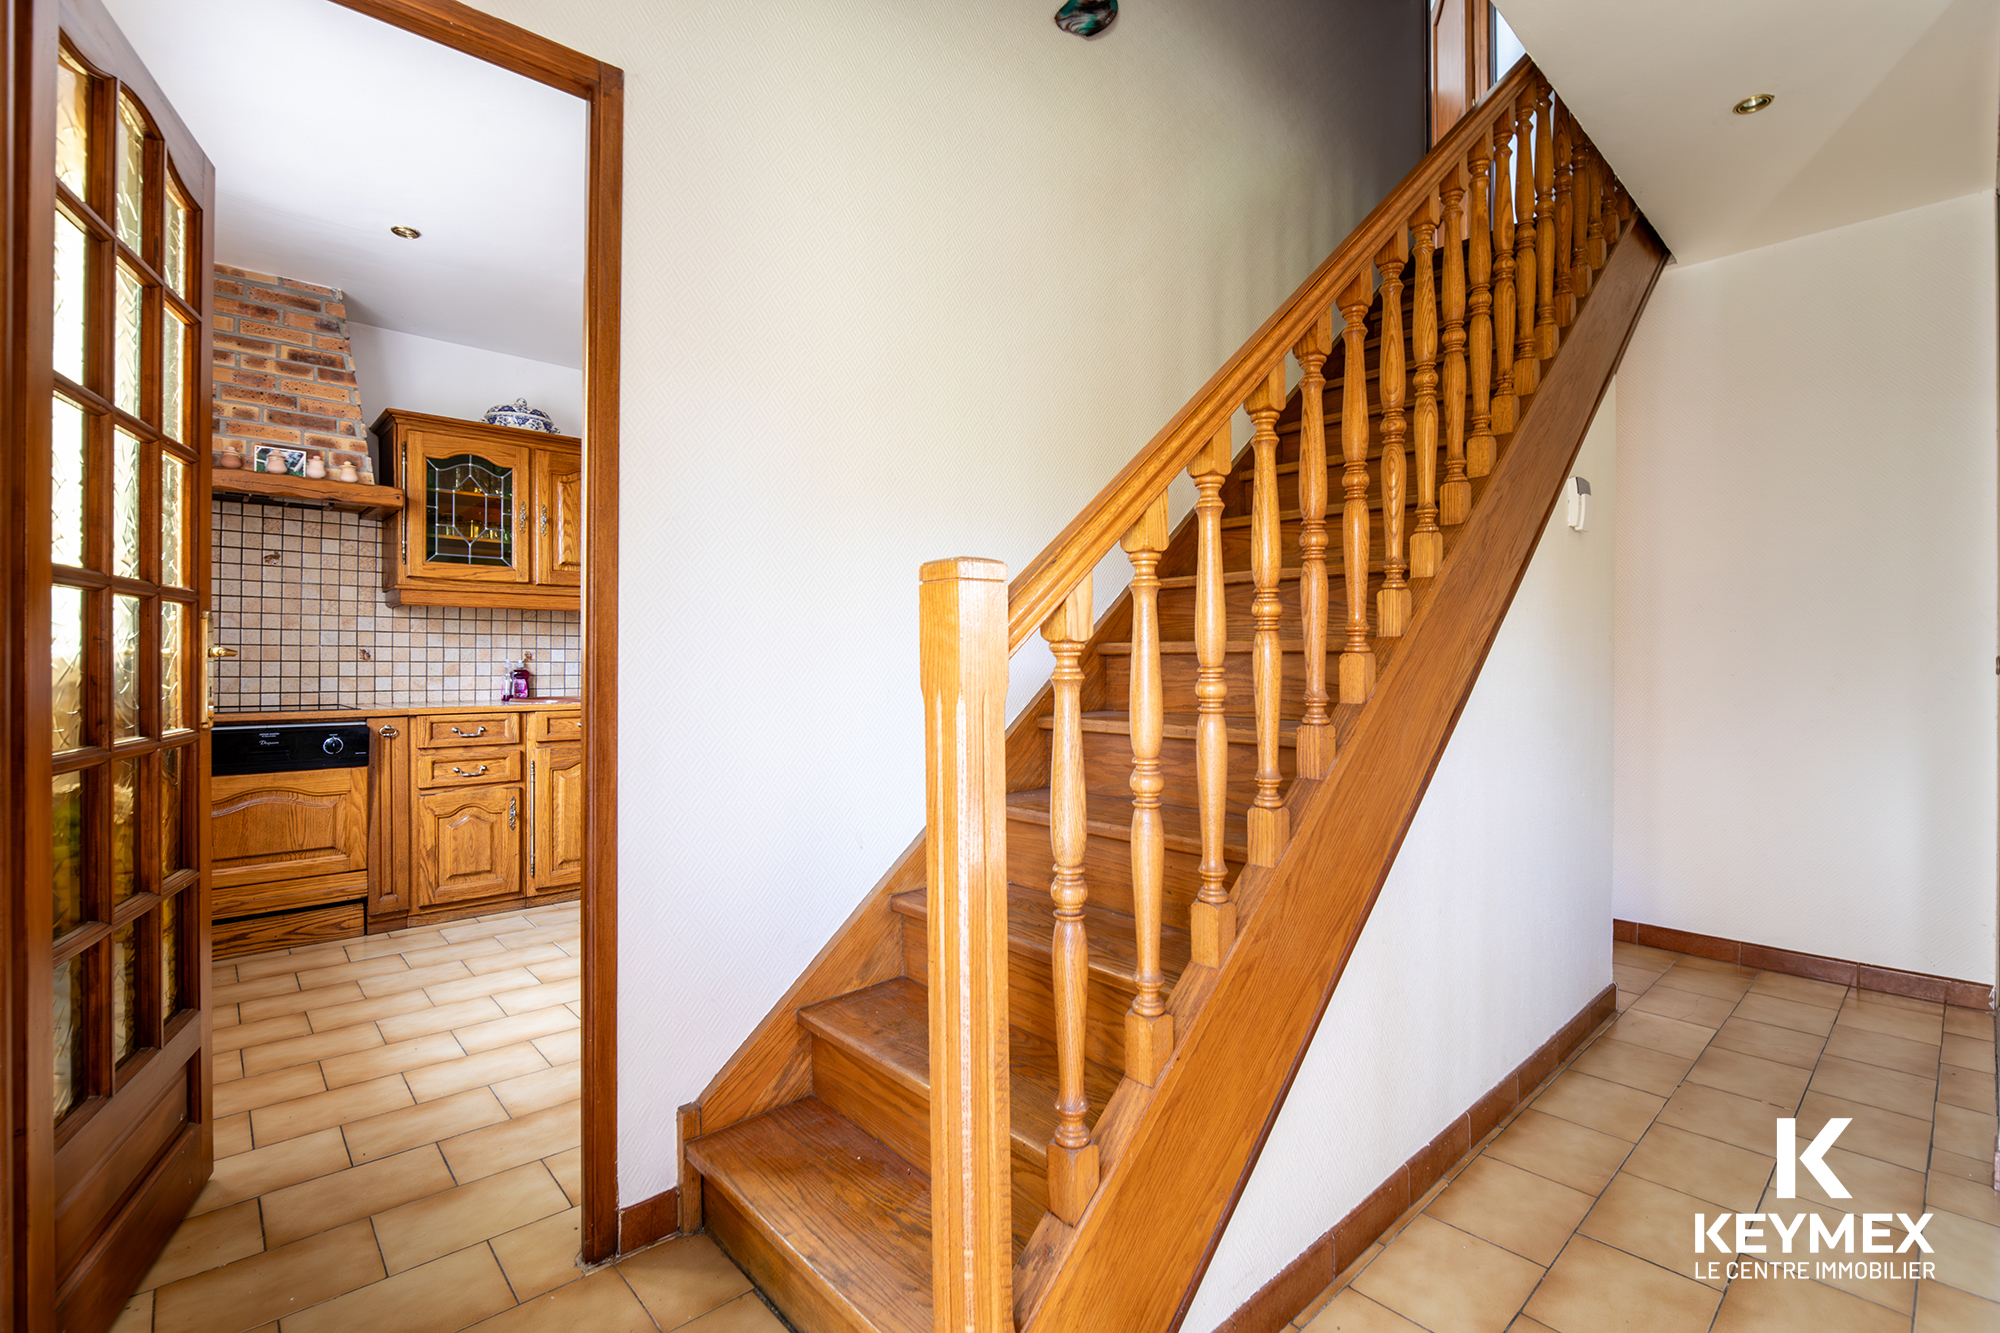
x=492 y=515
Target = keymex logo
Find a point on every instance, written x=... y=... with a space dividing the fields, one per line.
x=1744 y=1233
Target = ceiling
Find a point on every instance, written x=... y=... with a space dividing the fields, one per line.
x=1883 y=105
x=327 y=128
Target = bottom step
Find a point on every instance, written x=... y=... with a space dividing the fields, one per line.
x=831 y=1225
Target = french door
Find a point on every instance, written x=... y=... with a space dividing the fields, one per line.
x=113 y=1090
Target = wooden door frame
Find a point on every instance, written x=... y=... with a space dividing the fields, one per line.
x=602 y=88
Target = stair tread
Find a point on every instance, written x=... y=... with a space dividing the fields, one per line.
x=1114 y=955
x=849 y=1213
x=1182 y=824
x=888 y=1025
x=1174 y=726
x=1291 y=575
x=1123 y=647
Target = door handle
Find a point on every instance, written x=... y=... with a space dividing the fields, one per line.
x=456 y=732
x=462 y=773
x=513 y=804
x=545 y=520
x=390 y=732
x=222 y=652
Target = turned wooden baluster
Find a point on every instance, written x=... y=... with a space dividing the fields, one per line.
x=1427 y=541
x=1479 y=446
x=1455 y=492
x=1595 y=250
x=1270 y=823
x=1545 y=226
x=1392 y=603
x=1504 y=404
x=1212 y=916
x=1072 y=1154
x=1527 y=347
x=1580 y=271
x=1357 y=654
x=1564 y=257
x=1313 y=752
x=1149 y=1028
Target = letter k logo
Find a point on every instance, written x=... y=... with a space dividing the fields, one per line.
x=1790 y=1158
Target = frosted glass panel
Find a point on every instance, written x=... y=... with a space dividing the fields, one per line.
x=125 y=505
x=72 y=296
x=131 y=172
x=71 y=1071
x=173 y=523
x=125 y=667
x=173 y=703
x=124 y=991
x=171 y=812
x=124 y=829
x=66 y=639
x=72 y=127
x=170 y=955
x=174 y=245
x=67 y=442
x=173 y=376
x=66 y=860
x=130 y=345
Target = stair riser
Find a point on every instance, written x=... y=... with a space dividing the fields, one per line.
x=1236 y=542
x=1107 y=763
x=1177 y=673
x=1107 y=869
x=1177 y=608
x=806 y=1307
x=1031 y=998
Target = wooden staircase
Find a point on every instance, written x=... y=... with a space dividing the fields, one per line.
x=810 y=1158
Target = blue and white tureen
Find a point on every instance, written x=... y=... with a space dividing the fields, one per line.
x=522 y=417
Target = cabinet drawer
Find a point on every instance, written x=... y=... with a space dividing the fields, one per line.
x=472 y=766
x=435 y=733
x=556 y=727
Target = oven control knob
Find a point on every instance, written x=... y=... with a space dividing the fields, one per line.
x=333 y=745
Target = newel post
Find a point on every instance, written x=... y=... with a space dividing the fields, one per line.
x=962 y=618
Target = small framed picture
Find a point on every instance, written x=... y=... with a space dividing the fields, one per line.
x=295 y=459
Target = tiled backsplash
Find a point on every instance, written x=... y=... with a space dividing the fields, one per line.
x=298 y=594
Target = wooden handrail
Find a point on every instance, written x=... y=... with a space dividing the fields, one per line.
x=1046 y=580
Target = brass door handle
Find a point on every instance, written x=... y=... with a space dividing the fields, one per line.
x=390 y=732
x=513 y=805
x=462 y=773
x=456 y=732
x=222 y=652
x=545 y=520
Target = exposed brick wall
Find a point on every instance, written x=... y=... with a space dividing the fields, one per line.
x=284 y=374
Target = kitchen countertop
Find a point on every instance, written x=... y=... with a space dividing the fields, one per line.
x=395 y=710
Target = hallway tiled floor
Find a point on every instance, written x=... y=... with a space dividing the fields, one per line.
x=1577 y=1213
x=397 y=1150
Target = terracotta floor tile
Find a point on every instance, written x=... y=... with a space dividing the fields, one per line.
x=359 y=1191
x=505 y=1143
x=376 y=945
x=1515 y=1209
x=1876 y=1186
x=1634 y=1066
x=1907 y=1094
x=1639 y=955
x=1623 y=1000
x=505 y=1031
x=682 y=1279
x=1568 y=1154
x=1594 y=1287
x=136 y=1317
x=540 y=997
x=501 y=958
x=1659 y=1033
x=1879 y=1048
x=453 y=953
x=447 y=1293
x=487 y=983
x=1749 y=1076
x=1961 y=1022
x=1793 y=1306
x=1968 y=1254
x=1942 y=1309
x=282 y=984
x=280 y=1085
x=253 y=1291
x=1981 y=1203
x=232 y=1135
x=559 y=1048
x=484 y=929
x=1691 y=960
x=1966 y=1088
x=393 y=1058
x=1349 y=1311
x=430 y=1122
x=207 y=1241
x=1787 y=1046
x=567 y=1168
x=421 y=1231
x=412 y=978
x=1683 y=976
x=281 y=963
x=1833 y=1216
x=353 y=970
x=367 y=1011
x=227 y=1066
x=298 y=1002
x=1446 y=1279
x=1967 y=1053
x=305 y=1050
x=1609 y=1108
x=1976 y=1169
x=1523 y=1324
x=562 y=969
x=1726 y=1116
x=473 y=1071
x=1896 y=1022
x=745 y=1314
x=1722 y=1173
x=600 y=1303
x=239 y=1035
x=1650 y=1221
x=1812 y=1018
x=1637 y=980
x=542 y=1256
x=1885 y=1000
x=439 y=1018
x=1686 y=1005
x=1802 y=990
x=341 y=1106
x=1884 y=1135
x=540 y=1090
x=246 y=1175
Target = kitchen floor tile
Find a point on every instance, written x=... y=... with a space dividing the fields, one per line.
x=280 y=1085
x=374 y=946
x=500 y=957
x=1781 y=1305
x=1879 y=1048
x=1609 y=1108
x=1568 y=1154
x=228 y=1066
x=600 y=1303
x=1894 y=1021
x=446 y=1293
x=1639 y=955
x=1787 y=1046
x=471 y=1071
x=393 y=1058
x=413 y=979
x=283 y=983
x=256 y=1290
x=1749 y=1076
x=1658 y=1033
x=207 y=1241
x=485 y=984
x=1686 y=1005
x=431 y=1018
x=1593 y=1287
x=304 y=1050
x=1348 y=1311
x=1684 y=976
x=1634 y=1066
x=341 y=1106
x=238 y=1035
x=453 y=953
x=421 y=1231
x=1778 y=1013
x=1803 y=990
x=680 y=1280
x=1440 y=1277
x=136 y=1317
x=1706 y=1168
x=505 y=1031
x=1712 y=1113
x=567 y=1168
x=429 y=1122
x=484 y=928
x=1650 y=1221
x=298 y=1002
x=540 y=996
x=246 y=1175
x=352 y=970
x=1907 y=1094
x=232 y=1135
x=1517 y=1210
x=364 y=1011
x=509 y=1143
x=745 y=1314
x=359 y=1191
x=540 y=1090
x=561 y=1047
x=562 y=969
x=544 y=1255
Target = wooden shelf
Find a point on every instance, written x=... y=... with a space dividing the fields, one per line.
x=347 y=497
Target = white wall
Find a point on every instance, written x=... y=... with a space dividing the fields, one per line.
x=1806 y=596
x=1494 y=927
x=903 y=279
x=421 y=374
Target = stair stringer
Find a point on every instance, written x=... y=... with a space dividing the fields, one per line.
x=1176 y=1156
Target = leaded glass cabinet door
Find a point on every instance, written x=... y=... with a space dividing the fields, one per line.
x=472 y=496
x=117 y=1035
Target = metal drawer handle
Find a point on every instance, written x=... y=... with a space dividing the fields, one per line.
x=513 y=804
x=390 y=731
x=462 y=773
x=456 y=732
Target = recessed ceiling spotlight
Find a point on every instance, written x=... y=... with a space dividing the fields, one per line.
x=1750 y=106
x=407 y=233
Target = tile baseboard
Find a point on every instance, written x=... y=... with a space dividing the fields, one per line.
x=1278 y=1301
x=649 y=1220
x=1818 y=967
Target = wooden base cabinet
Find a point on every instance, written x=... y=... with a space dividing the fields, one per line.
x=468 y=845
x=555 y=831
x=291 y=858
